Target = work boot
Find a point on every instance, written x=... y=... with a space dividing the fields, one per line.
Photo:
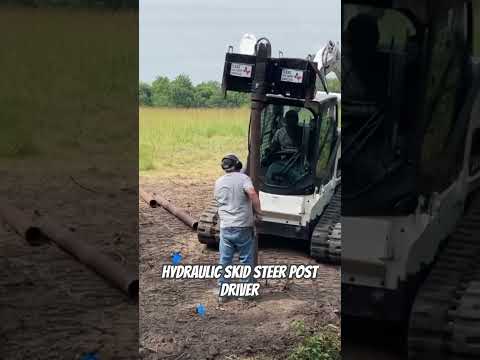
x=222 y=300
x=249 y=298
x=216 y=291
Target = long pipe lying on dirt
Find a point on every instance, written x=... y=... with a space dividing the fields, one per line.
x=32 y=229
x=155 y=200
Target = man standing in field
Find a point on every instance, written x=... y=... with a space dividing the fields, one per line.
x=236 y=198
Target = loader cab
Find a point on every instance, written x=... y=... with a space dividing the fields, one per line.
x=298 y=143
x=293 y=136
x=405 y=78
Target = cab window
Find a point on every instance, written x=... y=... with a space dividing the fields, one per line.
x=325 y=143
x=445 y=79
x=286 y=140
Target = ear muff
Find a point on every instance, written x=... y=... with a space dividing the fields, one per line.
x=230 y=161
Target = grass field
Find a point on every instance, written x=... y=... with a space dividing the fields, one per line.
x=190 y=142
x=66 y=72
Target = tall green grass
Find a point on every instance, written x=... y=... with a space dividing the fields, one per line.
x=65 y=72
x=190 y=142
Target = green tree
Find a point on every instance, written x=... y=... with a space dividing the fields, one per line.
x=204 y=92
x=160 y=91
x=233 y=99
x=181 y=92
x=145 y=94
x=236 y=99
x=334 y=85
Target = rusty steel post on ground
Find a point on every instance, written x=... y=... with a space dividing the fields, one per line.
x=156 y=200
x=34 y=228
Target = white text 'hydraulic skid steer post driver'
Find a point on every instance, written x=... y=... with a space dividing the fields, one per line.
x=298 y=180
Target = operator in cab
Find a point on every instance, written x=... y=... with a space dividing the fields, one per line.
x=237 y=200
x=364 y=72
x=288 y=136
x=281 y=160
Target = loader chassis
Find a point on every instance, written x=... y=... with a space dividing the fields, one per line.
x=411 y=207
x=298 y=180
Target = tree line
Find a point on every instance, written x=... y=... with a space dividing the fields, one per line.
x=180 y=92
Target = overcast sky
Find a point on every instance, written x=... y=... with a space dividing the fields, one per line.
x=192 y=36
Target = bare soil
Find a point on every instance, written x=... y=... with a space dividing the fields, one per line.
x=52 y=306
x=260 y=329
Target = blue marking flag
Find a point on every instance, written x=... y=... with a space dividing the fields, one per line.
x=90 y=356
x=176 y=257
x=200 y=310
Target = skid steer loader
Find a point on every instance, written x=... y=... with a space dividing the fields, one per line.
x=411 y=151
x=299 y=186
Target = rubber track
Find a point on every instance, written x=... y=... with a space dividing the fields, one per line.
x=326 y=241
x=445 y=319
x=208 y=231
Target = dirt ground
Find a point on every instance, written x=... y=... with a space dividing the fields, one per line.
x=51 y=306
x=260 y=329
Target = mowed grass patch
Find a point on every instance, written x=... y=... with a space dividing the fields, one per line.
x=190 y=142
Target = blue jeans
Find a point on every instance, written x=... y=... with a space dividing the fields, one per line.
x=236 y=239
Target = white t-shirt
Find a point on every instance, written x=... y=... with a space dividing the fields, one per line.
x=234 y=205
